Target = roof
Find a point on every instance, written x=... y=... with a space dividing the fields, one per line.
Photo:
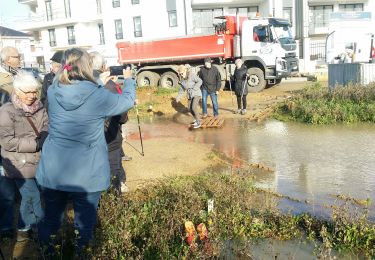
x=4 y=31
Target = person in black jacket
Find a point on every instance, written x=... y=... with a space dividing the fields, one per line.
x=48 y=78
x=112 y=127
x=210 y=87
x=240 y=86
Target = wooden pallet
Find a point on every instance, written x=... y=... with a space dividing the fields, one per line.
x=211 y=122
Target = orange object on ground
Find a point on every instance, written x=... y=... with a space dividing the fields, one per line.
x=191 y=233
x=202 y=231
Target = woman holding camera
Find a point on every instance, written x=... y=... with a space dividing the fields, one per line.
x=74 y=164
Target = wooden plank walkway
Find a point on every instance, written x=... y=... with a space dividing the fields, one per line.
x=211 y=122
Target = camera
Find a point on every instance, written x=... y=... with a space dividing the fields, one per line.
x=117 y=70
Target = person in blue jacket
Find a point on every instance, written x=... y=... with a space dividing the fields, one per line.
x=74 y=163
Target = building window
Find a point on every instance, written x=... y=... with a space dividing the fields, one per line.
x=204 y=19
x=172 y=16
x=68 y=13
x=137 y=26
x=118 y=28
x=135 y=2
x=351 y=7
x=319 y=15
x=52 y=37
x=98 y=6
x=49 y=10
x=115 y=3
x=71 y=35
x=249 y=11
x=288 y=14
x=101 y=34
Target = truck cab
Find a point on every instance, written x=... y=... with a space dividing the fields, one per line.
x=266 y=45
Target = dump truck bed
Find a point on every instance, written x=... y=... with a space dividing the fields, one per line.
x=178 y=49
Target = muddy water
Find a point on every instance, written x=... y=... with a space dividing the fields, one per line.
x=311 y=163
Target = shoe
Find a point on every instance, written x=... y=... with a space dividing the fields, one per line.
x=197 y=125
x=126 y=158
x=124 y=188
x=238 y=111
x=204 y=116
x=216 y=117
x=243 y=112
x=192 y=123
x=24 y=236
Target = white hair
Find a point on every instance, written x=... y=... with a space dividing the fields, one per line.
x=97 y=60
x=25 y=81
x=4 y=54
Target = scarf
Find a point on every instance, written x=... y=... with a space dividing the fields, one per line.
x=32 y=109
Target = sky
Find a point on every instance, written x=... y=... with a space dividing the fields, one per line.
x=11 y=12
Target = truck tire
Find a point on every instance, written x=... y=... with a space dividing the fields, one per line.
x=169 y=79
x=147 y=79
x=256 y=81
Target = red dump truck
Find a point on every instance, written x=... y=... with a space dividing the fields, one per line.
x=266 y=46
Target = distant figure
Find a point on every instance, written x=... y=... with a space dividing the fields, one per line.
x=240 y=86
x=255 y=37
x=48 y=78
x=23 y=129
x=190 y=83
x=210 y=87
x=74 y=165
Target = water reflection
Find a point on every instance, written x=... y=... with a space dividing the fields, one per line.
x=311 y=162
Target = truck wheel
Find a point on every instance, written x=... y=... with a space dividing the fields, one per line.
x=256 y=81
x=147 y=79
x=169 y=79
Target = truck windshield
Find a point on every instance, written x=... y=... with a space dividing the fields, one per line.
x=283 y=34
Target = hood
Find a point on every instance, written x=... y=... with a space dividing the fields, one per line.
x=71 y=97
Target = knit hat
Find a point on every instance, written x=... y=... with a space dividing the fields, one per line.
x=58 y=56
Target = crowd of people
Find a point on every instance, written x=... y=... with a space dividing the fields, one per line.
x=62 y=147
x=207 y=82
x=65 y=145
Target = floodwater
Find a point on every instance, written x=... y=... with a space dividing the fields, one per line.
x=312 y=164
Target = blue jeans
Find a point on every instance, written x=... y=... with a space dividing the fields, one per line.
x=30 y=209
x=85 y=205
x=215 y=105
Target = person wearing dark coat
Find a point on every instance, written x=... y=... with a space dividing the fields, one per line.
x=210 y=87
x=48 y=78
x=240 y=86
x=112 y=128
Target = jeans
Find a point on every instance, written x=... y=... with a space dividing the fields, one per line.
x=244 y=102
x=30 y=209
x=117 y=171
x=85 y=205
x=193 y=107
x=215 y=105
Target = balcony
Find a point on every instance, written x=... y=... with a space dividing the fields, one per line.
x=221 y=3
x=41 y=21
x=29 y=2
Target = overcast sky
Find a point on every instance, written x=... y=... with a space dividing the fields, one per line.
x=11 y=13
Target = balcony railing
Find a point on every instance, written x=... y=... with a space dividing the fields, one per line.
x=29 y=2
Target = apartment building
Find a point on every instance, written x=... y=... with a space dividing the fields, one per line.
x=100 y=24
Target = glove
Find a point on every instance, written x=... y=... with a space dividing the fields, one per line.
x=40 y=140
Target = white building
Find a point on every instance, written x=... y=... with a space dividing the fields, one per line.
x=22 y=41
x=100 y=24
